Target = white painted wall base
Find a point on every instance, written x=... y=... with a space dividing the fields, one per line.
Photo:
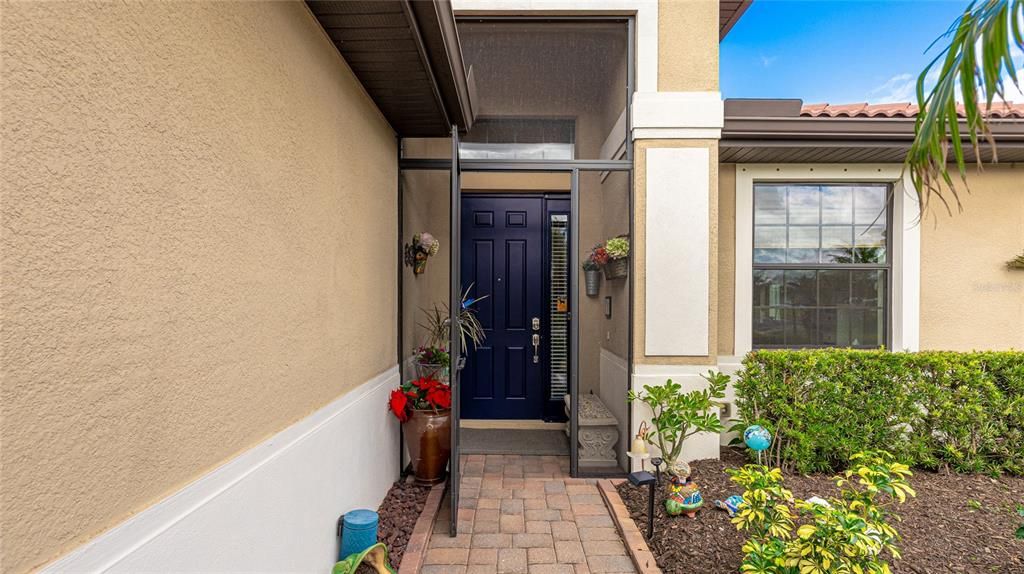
x=614 y=373
x=271 y=509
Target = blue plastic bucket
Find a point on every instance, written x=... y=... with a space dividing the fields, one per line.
x=359 y=532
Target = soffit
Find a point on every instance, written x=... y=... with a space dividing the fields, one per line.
x=407 y=56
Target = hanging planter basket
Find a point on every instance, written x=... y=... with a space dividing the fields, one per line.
x=616 y=268
x=592 y=282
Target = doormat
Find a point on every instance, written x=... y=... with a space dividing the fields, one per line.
x=514 y=441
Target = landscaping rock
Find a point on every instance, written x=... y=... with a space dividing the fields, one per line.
x=398 y=514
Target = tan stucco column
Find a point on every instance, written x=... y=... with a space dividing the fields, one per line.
x=675 y=136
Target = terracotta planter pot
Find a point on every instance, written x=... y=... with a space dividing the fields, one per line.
x=428 y=435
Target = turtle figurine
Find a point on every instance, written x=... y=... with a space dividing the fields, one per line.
x=684 y=498
x=731 y=505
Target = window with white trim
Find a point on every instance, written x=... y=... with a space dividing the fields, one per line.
x=821 y=265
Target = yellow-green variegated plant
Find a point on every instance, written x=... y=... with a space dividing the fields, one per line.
x=850 y=534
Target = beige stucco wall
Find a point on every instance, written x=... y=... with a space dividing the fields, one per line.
x=198 y=250
x=969 y=299
x=687 y=45
x=640 y=198
x=726 y=258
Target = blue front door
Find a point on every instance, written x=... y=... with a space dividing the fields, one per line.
x=503 y=258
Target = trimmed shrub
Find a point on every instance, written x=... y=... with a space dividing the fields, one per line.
x=932 y=410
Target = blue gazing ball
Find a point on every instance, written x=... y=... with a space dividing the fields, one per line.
x=757 y=437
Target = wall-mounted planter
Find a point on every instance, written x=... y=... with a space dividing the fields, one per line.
x=616 y=268
x=592 y=281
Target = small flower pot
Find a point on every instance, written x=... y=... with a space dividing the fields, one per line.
x=428 y=436
x=592 y=282
x=616 y=268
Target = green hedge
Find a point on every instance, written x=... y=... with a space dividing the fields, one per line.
x=962 y=411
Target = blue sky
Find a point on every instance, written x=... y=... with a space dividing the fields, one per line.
x=833 y=51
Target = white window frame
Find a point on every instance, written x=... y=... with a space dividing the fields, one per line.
x=905 y=243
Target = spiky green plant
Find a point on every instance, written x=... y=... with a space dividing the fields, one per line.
x=437 y=322
x=974 y=66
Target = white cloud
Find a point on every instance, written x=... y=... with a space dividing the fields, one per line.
x=767 y=61
x=899 y=88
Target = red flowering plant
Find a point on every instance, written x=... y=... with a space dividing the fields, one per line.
x=422 y=394
x=597 y=259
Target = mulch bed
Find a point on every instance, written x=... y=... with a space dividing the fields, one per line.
x=398 y=514
x=941 y=528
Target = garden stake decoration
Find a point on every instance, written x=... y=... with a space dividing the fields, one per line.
x=758 y=439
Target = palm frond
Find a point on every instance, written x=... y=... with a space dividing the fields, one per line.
x=973 y=66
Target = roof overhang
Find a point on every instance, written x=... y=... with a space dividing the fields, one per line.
x=406 y=54
x=729 y=12
x=774 y=131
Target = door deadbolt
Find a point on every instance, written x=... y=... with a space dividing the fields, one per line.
x=536 y=323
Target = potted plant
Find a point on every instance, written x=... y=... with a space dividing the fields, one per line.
x=618 y=257
x=431 y=362
x=591 y=269
x=423 y=245
x=423 y=406
x=437 y=323
x=677 y=416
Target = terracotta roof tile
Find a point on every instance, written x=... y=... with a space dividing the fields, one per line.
x=901 y=110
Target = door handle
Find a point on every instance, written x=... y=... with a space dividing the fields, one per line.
x=536 y=348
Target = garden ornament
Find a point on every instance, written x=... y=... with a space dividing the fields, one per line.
x=758 y=439
x=731 y=505
x=639 y=450
x=376 y=556
x=684 y=498
x=423 y=245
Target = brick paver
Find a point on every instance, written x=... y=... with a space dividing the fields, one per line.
x=525 y=515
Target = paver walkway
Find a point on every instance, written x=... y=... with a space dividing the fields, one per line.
x=525 y=515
